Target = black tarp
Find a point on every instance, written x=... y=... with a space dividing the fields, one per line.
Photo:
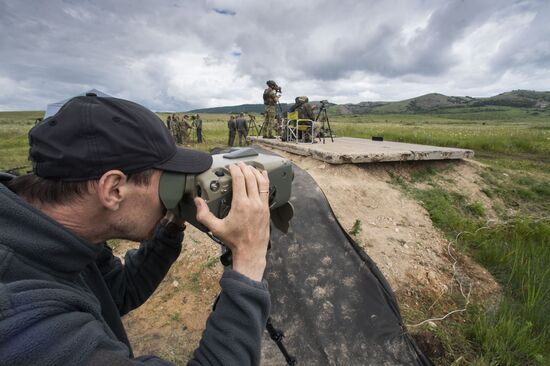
x=328 y=296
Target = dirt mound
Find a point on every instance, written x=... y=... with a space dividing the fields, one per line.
x=395 y=231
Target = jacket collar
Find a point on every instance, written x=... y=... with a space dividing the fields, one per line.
x=40 y=240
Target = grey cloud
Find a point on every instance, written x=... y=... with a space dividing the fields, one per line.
x=224 y=11
x=85 y=44
x=56 y=48
x=529 y=47
x=362 y=44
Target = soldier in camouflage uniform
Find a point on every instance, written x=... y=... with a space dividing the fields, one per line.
x=176 y=129
x=232 y=126
x=242 y=129
x=305 y=111
x=271 y=98
x=198 y=126
x=169 y=123
x=185 y=129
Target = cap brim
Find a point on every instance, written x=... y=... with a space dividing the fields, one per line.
x=187 y=161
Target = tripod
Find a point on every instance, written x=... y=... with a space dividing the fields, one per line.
x=323 y=112
x=252 y=125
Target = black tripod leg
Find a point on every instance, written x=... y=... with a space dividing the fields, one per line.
x=328 y=124
x=262 y=128
x=277 y=336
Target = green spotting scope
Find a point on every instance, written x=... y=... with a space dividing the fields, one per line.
x=177 y=190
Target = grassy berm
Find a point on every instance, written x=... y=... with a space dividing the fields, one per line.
x=510 y=236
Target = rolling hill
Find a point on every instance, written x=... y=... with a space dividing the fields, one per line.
x=429 y=103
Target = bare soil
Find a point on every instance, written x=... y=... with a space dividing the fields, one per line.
x=396 y=232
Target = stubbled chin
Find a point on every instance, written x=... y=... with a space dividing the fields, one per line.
x=151 y=233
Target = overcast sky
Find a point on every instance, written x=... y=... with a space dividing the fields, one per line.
x=179 y=54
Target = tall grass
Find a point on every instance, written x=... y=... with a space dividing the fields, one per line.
x=518 y=331
x=517 y=252
x=491 y=138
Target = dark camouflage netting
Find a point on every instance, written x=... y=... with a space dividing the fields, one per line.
x=328 y=296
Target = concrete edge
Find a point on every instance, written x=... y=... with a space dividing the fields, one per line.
x=305 y=149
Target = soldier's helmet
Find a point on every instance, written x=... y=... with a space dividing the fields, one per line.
x=301 y=100
x=271 y=83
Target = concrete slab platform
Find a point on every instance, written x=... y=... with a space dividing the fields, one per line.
x=346 y=150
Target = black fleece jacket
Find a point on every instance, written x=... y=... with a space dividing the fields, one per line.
x=61 y=298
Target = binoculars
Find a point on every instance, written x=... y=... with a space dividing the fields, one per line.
x=177 y=191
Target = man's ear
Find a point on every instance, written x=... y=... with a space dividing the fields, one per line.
x=111 y=189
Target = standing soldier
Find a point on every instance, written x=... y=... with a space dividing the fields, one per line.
x=185 y=127
x=178 y=132
x=271 y=98
x=197 y=123
x=171 y=126
x=169 y=123
x=242 y=129
x=232 y=126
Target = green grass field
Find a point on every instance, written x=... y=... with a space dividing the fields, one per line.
x=515 y=146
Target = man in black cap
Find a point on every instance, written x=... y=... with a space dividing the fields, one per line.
x=96 y=170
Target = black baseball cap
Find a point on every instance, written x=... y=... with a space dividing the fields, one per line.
x=90 y=135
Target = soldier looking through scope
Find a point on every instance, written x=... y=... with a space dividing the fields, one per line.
x=271 y=98
x=305 y=112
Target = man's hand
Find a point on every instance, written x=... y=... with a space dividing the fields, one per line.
x=245 y=230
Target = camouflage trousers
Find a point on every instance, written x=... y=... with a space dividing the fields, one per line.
x=231 y=139
x=270 y=124
x=184 y=134
x=242 y=137
x=175 y=130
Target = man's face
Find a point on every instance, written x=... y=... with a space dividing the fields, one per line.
x=142 y=210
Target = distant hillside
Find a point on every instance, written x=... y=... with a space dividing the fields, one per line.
x=519 y=98
x=244 y=108
x=429 y=103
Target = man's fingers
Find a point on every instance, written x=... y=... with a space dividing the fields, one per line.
x=263 y=184
x=250 y=179
x=205 y=217
x=237 y=177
